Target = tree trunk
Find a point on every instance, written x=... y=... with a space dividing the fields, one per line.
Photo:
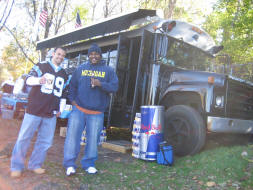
x=168 y=12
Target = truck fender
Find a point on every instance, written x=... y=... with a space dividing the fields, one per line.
x=197 y=96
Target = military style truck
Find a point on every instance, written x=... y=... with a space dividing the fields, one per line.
x=164 y=62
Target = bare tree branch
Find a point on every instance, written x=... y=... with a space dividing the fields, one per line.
x=34 y=10
x=59 y=23
x=93 y=5
x=19 y=45
x=7 y=16
x=171 y=7
x=109 y=8
x=5 y=9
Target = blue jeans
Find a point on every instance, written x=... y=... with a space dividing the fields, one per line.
x=76 y=123
x=31 y=123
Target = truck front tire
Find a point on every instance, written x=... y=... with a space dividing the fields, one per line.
x=184 y=129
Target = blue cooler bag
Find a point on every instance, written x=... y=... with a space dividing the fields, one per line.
x=165 y=154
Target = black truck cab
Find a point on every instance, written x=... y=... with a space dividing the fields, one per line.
x=164 y=62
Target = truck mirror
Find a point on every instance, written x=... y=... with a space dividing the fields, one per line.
x=215 y=49
x=168 y=26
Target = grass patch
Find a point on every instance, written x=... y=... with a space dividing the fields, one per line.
x=220 y=168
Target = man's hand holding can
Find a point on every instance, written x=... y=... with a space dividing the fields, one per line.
x=95 y=82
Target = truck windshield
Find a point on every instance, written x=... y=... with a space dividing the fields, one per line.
x=179 y=54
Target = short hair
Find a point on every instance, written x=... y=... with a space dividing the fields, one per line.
x=63 y=48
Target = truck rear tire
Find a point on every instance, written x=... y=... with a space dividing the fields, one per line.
x=184 y=129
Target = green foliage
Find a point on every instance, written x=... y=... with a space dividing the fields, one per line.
x=14 y=63
x=231 y=25
x=83 y=11
x=178 y=9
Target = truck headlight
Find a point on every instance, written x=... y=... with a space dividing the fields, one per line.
x=219 y=101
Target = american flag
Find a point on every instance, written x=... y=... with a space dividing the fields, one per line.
x=78 y=20
x=43 y=18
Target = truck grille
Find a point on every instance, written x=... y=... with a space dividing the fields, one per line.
x=239 y=100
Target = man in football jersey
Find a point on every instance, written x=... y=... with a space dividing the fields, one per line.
x=48 y=81
x=89 y=93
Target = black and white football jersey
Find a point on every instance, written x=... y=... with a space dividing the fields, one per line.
x=44 y=99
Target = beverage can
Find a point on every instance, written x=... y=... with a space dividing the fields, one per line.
x=151 y=132
x=62 y=104
x=49 y=85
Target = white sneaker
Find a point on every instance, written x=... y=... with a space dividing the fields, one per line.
x=70 y=171
x=91 y=170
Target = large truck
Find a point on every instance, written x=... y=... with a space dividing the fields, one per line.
x=164 y=62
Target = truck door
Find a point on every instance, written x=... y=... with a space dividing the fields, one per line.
x=145 y=58
x=118 y=113
x=131 y=54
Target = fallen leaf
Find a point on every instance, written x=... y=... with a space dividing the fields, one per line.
x=200 y=182
x=117 y=160
x=244 y=153
x=244 y=178
x=210 y=184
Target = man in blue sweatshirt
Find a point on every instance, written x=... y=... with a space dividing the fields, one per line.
x=89 y=93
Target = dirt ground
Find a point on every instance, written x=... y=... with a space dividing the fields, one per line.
x=29 y=181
